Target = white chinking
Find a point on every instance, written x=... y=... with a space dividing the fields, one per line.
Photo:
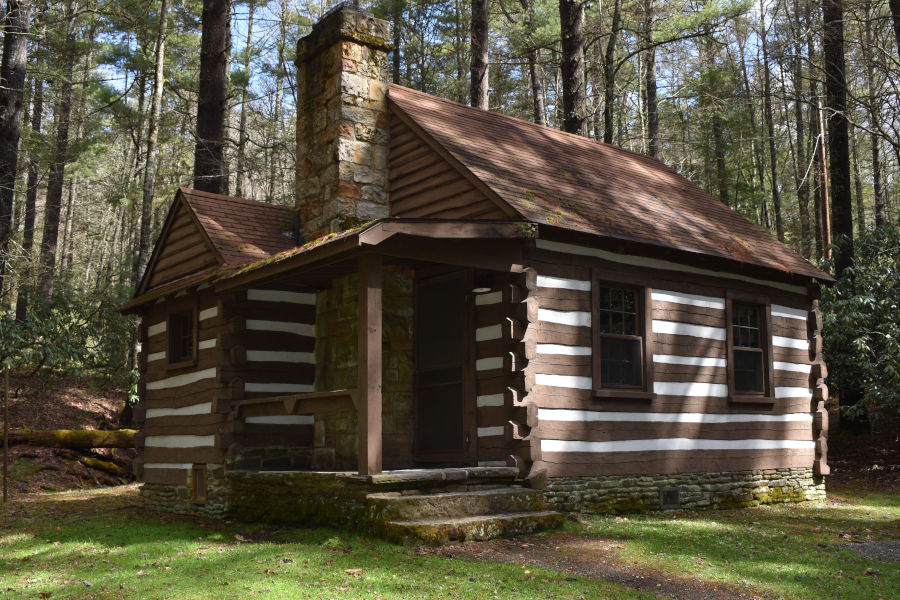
x=490 y=400
x=563 y=349
x=487 y=364
x=491 y=332
x=793 y=392
x=787 y=312
x=179 y=441
x=202 y=408
x=670 y=444
x=156 y=328
x=564 y=414
x=156 y=356
x=490 y=431
x=689 y=299
x=677 y=328
x=786 y=342
x=281 y=296
x=274 y=356
x=207 y=344
x=693 y=361
x=487 y=299
x=562 y=283
x=690 y=388
x=567 y=381
x=279 y=387
x=282 y=420
x=179 y=380
x=208 y=313
x=795 y=367
x=577 y=318
x=281 y=326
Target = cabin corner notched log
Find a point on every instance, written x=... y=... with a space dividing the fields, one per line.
x=470 y=295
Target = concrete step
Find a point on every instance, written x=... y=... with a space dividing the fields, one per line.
x=481 y=527
x=393 y=506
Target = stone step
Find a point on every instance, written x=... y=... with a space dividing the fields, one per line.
x=481 y=527
x=393 y=506
x=423 y=478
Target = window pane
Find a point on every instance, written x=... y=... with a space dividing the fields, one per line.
x=748 y=371
x=603 y=300
x=629 y=301
x=616 y=297
x=630 y=325
x=620 y=362
x=616 y=326
x=603 y=322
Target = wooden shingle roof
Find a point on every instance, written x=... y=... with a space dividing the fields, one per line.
x=569 y=181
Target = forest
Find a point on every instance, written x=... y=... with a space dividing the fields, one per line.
x=788 y=111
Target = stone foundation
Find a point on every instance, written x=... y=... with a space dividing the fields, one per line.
x=177 y=498
x=736 y=489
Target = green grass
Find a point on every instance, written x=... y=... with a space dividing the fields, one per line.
x=788 y=551
x=54 y=543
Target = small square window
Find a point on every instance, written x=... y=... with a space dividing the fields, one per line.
x=182 y=337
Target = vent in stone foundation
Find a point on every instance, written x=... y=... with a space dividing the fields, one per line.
x=669 y=498
x=198 y=484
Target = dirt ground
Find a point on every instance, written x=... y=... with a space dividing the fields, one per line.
x=62 y=404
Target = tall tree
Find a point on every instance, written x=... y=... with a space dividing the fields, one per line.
x=209 y=153
x=478 y=93
x=571 y=22
x=610 y=68
x=770 y=123
x=31 y=186
x=838 y=130
x=152 y=139
x=12 y=84
x=56 y=179
x=245 y=100
x=649 y=89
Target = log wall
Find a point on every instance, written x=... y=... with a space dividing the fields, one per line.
x=686 y=420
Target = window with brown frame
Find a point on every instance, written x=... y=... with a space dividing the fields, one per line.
x=182 y=337
x=619 y=338
x=748 y=349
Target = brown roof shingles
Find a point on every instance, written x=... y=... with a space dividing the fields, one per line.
x=573 y=182
x=240 y=230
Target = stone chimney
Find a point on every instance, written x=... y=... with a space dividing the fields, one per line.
x=342 y=122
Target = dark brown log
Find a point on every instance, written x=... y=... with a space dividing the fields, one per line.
x=74 y=439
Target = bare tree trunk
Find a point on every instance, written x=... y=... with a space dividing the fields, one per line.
x=56 y=179
x=874 y=117
x=209 y=153
x=245 y=91
x=801 y=155
x=719 y=150
x=279 y=95
x=770 y=126
x=650 y=99
x=571 y=18
x=37 y=110
x=140 y=258
x=609 y=74
x=396 y=29
x=534 y=69
x=838 y=131
x=478 y=92
x=12 y=85
x=895 y=17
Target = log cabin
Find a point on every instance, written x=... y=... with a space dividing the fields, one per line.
x=510 y=319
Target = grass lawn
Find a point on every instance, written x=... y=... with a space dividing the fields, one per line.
x=794 y=551
x=98 y=544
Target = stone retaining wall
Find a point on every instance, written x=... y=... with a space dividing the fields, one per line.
x=615 y=494
x=177 y=498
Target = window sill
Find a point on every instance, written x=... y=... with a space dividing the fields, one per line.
x=181 y=365
x=623 y=394
x=752 y=399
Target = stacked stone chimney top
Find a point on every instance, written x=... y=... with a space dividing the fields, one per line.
x=342 y=122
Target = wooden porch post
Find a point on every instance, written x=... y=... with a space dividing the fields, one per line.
x=369 y=365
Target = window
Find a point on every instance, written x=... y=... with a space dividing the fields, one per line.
x=749 y=353
x=620 y=365
x=198 y=484
x=182 y=337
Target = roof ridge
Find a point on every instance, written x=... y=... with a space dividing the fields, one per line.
x=573 y=136
x=211 y=195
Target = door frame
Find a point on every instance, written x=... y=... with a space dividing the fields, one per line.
x=469 y=454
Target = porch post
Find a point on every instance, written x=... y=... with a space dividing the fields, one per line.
x=369 y=364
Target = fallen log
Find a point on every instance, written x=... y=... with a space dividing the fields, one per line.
x=75 y=439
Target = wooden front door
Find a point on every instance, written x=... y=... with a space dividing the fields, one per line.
x=443 y=422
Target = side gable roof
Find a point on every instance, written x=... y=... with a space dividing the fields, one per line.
x=569 y=181
x=206 y=233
